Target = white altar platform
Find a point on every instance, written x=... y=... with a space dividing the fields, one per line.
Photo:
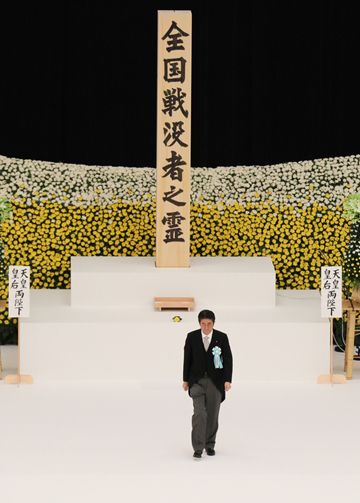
x=60 y=342
x=106 y=327
x=134 y=281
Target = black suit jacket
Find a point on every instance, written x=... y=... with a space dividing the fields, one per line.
x=197 y=361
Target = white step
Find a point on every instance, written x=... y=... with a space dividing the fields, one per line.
x=60 y=342
x=133 y=282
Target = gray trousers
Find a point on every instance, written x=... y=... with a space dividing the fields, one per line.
x=206 y=400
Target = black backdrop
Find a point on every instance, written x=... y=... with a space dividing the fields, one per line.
x=272 y=82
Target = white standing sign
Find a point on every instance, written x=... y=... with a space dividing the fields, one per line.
x=19 y=291
x=331 y=292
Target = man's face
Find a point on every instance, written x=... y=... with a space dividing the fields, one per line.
x=206 y=326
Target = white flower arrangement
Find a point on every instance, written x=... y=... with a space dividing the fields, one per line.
x=324 y=181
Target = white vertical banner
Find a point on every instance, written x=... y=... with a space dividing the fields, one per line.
x=331 y=292
x=19 y=291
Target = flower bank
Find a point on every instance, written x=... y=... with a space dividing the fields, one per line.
x=291 y=212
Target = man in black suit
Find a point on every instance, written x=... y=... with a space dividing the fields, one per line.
x=207 y=376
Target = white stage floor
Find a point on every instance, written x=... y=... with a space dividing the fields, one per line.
x=115 y=442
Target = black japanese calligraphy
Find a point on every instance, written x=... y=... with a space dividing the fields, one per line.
x=173 y=36
x=174 y=70
x=174 y=160
x=171 y=194
x=173 y=132
x=331 y=286
x=173 y=234
x=173 y=169
x=19 y=282
x=173 y=101
x=173 y=219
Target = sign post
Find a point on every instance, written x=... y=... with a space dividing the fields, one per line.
x=173 y=142
x=331 y=307
x=19 y=307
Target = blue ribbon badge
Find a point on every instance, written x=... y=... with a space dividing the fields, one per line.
x=216 y=351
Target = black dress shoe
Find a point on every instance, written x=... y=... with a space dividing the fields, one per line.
x=197 y=454
x=210 y=451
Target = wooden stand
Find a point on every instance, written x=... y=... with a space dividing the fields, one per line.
x=174 y=303
x=331 y=377
x=18 y=378
x=351 y=307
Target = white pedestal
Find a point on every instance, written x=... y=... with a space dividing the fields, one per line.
x=60 y=342
x=133 y=282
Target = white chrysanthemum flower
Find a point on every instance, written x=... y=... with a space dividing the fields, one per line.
x=324 y=181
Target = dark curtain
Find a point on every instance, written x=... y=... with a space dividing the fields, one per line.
x=272 y=82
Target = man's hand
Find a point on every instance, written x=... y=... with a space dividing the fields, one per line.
x=227 y=386
x=185 y=386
